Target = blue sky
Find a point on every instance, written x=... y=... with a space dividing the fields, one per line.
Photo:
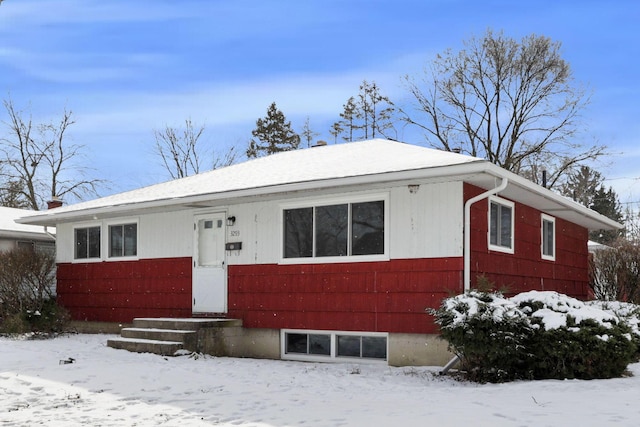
x=126 y=68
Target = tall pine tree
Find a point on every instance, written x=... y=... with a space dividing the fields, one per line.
x=272 y=134
x=367 y=116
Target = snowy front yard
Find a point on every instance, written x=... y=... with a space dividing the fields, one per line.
x=107 y=387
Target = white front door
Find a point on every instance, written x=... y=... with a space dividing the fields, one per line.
x=209 y=270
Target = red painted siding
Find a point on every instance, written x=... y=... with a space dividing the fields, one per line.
x=386 y=296
x=120 y=291
x=525 y=269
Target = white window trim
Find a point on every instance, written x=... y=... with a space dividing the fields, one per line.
x=548 y=218
x=73 y=242
x=332 y=357
x=510 y=204
x=105 y=240
x=315 y=202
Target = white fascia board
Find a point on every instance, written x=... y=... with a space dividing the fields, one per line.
x=52 y=218
x=559 y=206
x=563 y=205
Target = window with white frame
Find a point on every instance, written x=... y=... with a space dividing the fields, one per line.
x=87 y=242
x=548 y=230
x=334 y=230
x=333 y=345
x=501 y=224
x=123 y=240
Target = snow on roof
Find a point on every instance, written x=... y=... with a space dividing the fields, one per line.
x=10 y=228
x=363 y=162
x=353 y=159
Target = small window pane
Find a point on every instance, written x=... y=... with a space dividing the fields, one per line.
x=131 y=240
x=367 y=228
x=493 y=224
x=115 y=239
x=348 y=346
x=332 y=224
x=547 y=238
x=87 y=242
x=320 y=344
x=374 y=347
x=505 y=226
x=500 y=225
x=297 y=343
x=123 y=240
x=298 y=233
x=82 y=242
x=94 y=242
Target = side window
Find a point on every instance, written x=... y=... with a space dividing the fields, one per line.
x=501 y=214
x=548 y=239
x=87 y=242
x=123 y=240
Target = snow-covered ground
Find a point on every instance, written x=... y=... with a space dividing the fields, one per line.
x=107 y=387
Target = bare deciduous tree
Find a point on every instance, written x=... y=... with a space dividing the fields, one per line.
x=182 y=154
x=38 y=162
x=513 y=103
x=614 y=272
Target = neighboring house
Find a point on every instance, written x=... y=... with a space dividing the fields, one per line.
x=325 y=252
x=14 y=235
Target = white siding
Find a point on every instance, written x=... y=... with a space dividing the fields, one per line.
x=426 y=223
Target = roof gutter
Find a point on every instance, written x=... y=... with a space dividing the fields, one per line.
x=467 y=231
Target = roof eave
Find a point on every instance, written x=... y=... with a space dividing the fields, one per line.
x=562 y=206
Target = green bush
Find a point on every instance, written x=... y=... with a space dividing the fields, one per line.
x=534 y=335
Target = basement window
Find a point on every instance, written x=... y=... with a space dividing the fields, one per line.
x=336 y=346
x=548 y=239
x=501 y=213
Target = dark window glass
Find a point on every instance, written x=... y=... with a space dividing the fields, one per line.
x=297 y=343
x=374 y=347
x=505 y=226
x=87 y=242
x=332 y=224
x=493 y=224
x=348 y=346
x=131 y=240
x=547 y=238
x=367 y=228
x=500 y=225
x=123 y=240
x=320 y=344
x=298 y=233
x=115 y=238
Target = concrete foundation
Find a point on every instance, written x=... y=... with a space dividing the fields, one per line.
x=232 y=340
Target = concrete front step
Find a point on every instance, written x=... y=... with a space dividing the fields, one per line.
x=165 y=336
x=183 y=324
x=138 y=345
x=189 y=339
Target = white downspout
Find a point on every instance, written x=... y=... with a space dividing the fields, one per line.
x=467 y=226
x=467 y=249
x=49 y=234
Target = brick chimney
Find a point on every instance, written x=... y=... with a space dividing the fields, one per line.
x=55 y=202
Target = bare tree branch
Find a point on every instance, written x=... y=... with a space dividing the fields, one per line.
x=510 y=102
x=39 y=163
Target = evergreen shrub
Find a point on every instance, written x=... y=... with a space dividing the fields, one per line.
x=535 y=335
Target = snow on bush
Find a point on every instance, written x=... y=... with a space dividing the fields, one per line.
x=536 y=335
